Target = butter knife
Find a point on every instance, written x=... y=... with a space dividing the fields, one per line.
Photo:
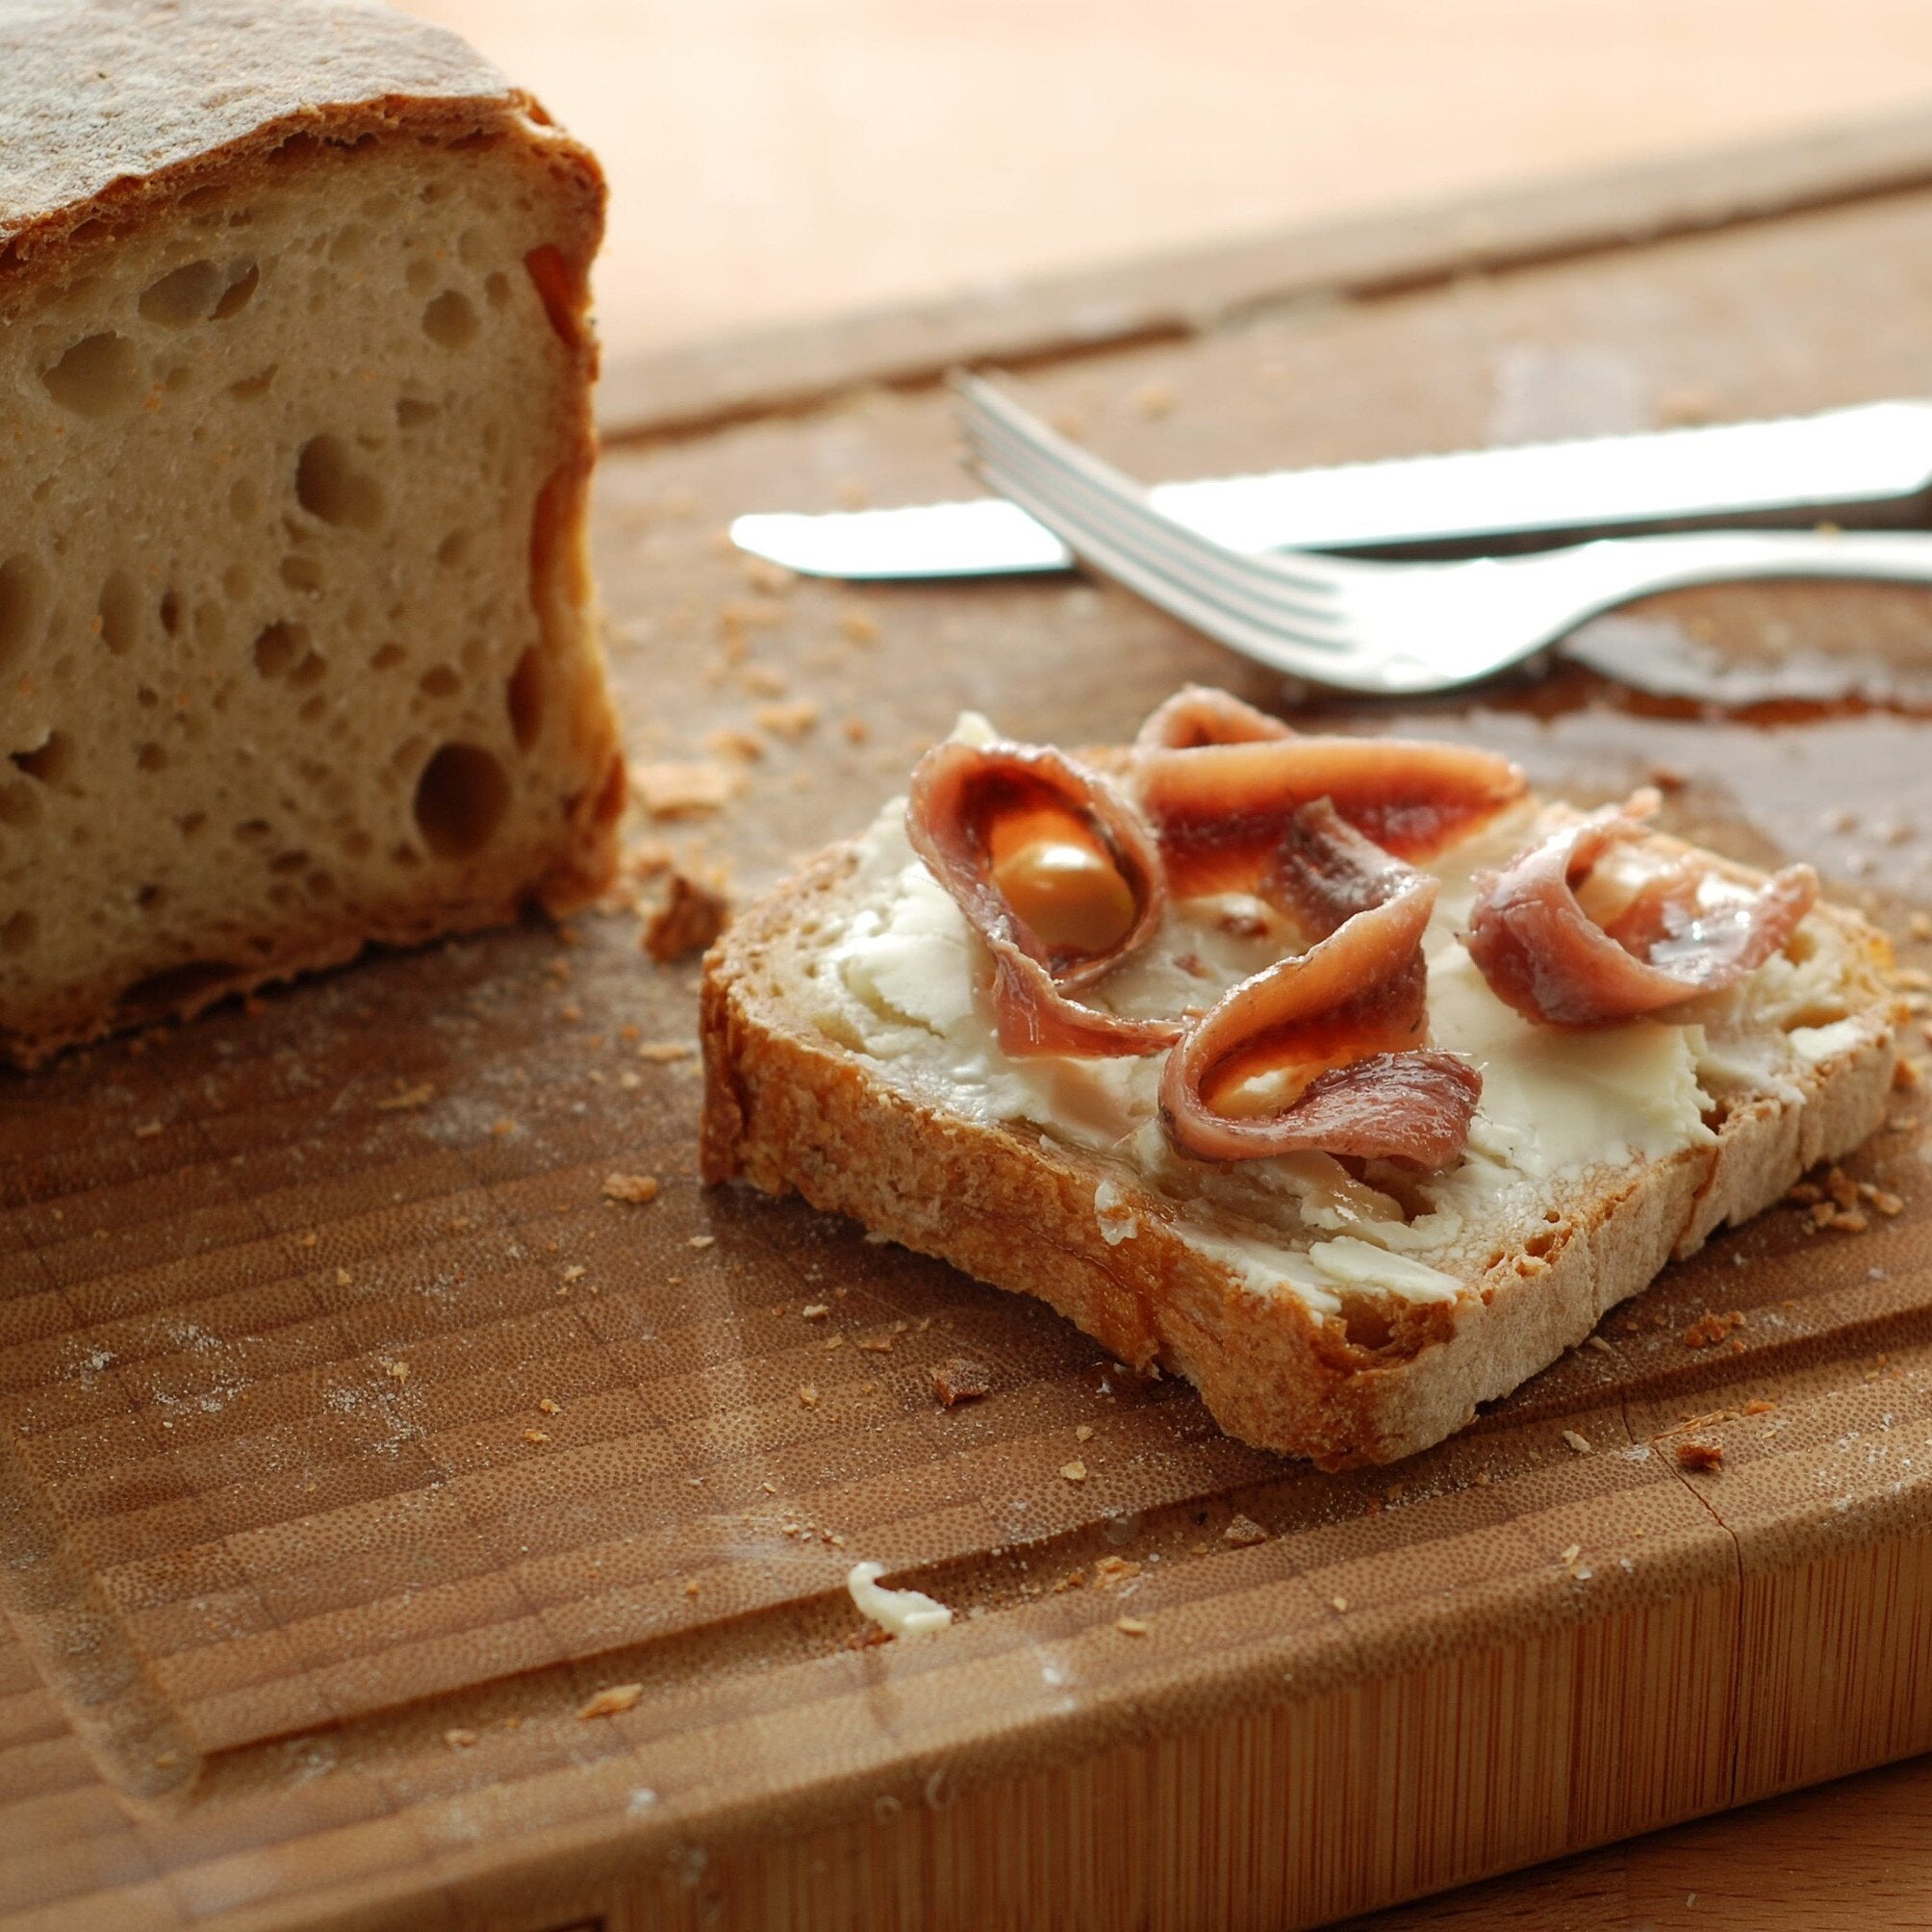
x=1863 y=466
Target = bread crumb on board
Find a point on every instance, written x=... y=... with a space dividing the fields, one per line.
x=687 y=918
x=960 y=1380
x=630 y=1187
x=685 y=788
x=1710 y=1329
x=1132 y=1626
x=1700 y=1455
x=613 y=1701
x=1243 y=1531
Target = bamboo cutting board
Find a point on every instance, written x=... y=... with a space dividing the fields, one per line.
x=352 y=1439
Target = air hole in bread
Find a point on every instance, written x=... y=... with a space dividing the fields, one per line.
x=524 y=696
x=450 y=320
x=151 y=757
x=23 y=603
x=453 y=548
x=388 y=657
x=243 y=500
x=99 y=376
x=330 y=486
x=171 y=613
x=412 y=412
x=184 y=295
x=497 y=290
x=238 y=294
x=301 y=574
x=150 y=899
x=560 y=291
x=48 y=761
x=279 y=647
x=439 y=680
x=177 y=986
x=20 y=803
x=559 y=584
x=459 y=800
x=290 y=861
x=252 y=388
x=18 y=934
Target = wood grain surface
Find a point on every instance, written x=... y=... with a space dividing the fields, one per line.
x=352 y=1438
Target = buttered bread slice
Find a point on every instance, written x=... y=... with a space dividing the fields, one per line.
x=296 y=651
x=1354 y=1295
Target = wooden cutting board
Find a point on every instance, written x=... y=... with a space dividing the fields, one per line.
x=352 y=1439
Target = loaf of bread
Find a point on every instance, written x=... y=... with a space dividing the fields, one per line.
x=1334 y=1310
x=296 y=646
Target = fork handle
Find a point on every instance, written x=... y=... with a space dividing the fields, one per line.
x=1636 y=565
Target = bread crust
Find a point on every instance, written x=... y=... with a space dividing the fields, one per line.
x=113 y=114
x=788 y=1110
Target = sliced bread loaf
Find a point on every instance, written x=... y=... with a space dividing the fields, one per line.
x=1351 y=1312
x=296 y=637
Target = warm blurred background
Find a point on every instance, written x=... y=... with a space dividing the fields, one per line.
x=774 y=160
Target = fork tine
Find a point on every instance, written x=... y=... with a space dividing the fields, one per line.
x=1174 y=553
x=1268 y=640
x=1104 y=504
x=993 y=421
x=1176 y=565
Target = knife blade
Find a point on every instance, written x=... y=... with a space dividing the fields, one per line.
x=1870 y=464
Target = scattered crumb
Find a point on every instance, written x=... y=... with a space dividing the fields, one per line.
x=1580 y=1444
x=612 y=1702
x=808 y=1396
x=790 y=720
x=1759 y=1405
x=545 y=1406
x=1075 y=1471
x=630 y=1187
x=1083 y=1433
x=1597 y=1342
x=692 y=913
x=1700 y=1455
x=685 y=789
x=575 y=1272
x=877 y=1344
x=396 y=1371
x=1712 y=1329
x=814 y=1312
x=1920 y=926
x=342 y=1278
x=147 y=1129
x=701 y=1241
x=691 y=1586
x=404 y=1099
x=1244 y=1532
x=960 y=1380
x=857 y=730
x=1132 y=1626
x=535 y=1435
x=502 y=1127
x=661 y=1051
x=858 y=627
x=1110 y=1571
x=1339 y=1602
x=460 y=1741
x=764 y=680
x=732 y=741
x=1154 y=400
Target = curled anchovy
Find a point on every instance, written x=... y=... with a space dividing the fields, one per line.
x=1544 y=956
x=1347 y=1021
x=959 y=794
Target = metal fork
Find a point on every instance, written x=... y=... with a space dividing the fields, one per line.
x=1381 y=628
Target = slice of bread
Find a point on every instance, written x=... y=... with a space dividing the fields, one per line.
x=296 y=649
x=1346 y=1315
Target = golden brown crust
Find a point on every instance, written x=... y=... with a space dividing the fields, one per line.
x=114 y=113
x=787 y=1109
